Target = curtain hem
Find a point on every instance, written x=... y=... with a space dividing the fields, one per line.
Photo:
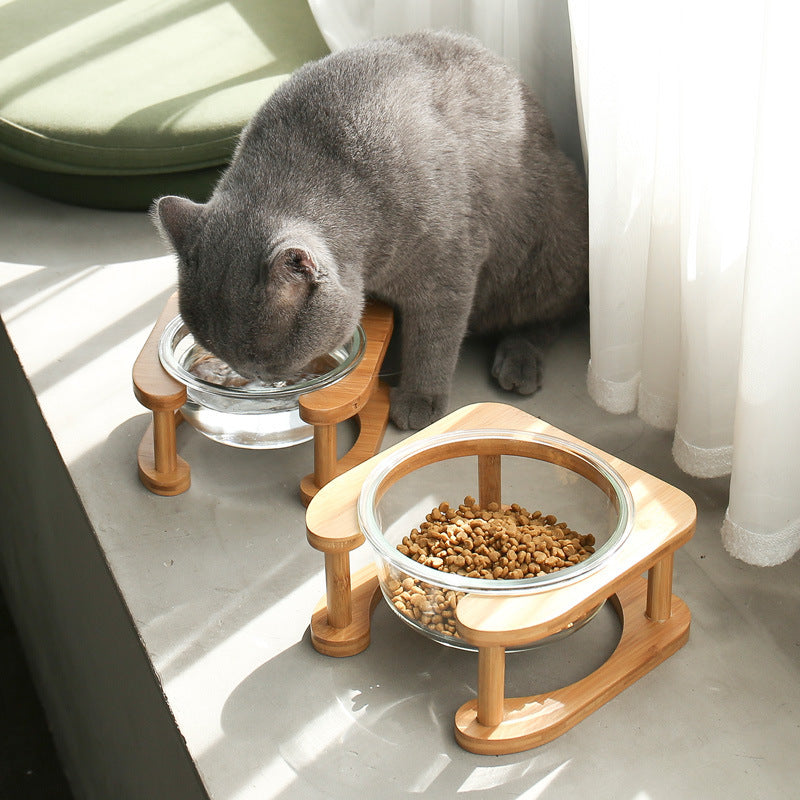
x=616 y=397
x=760 y=549
x=660 y=412
x=702 y=462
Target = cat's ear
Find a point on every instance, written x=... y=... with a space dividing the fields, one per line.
x=295 y=264
x=176 y=217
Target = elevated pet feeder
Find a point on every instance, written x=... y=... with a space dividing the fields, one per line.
x=274 y=418
x=644 y=522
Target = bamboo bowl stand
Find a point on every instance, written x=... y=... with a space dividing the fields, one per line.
x=361 y=395
x=655 y=623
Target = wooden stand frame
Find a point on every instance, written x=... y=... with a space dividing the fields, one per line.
x=360 y=395
x=655 y=623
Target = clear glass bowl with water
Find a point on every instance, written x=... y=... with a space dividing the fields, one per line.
x=538 y=472
x=241 y=413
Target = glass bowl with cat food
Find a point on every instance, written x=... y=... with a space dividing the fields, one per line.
x=236 y=411
x=433 y=543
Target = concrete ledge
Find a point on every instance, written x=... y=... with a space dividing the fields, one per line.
x=113 y=727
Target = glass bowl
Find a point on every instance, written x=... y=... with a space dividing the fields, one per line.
x=246 y=414
x=538 y=472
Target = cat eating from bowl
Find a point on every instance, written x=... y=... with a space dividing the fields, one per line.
x=416 y=169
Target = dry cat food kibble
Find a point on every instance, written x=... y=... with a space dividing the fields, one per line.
x=491 y=543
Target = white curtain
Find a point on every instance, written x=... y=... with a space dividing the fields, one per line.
x=688 y=115
x=687 y=111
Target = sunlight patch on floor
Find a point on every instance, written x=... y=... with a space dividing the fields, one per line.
x=83 y=380
x=214 y=675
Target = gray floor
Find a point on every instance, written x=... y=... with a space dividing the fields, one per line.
x=261 y=713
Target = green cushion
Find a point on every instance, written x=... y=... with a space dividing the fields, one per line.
x=99 y=99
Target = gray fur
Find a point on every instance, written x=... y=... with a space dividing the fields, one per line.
x=415 y=169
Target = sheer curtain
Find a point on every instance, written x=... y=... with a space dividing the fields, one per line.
x=686 y=108
x=687 y=115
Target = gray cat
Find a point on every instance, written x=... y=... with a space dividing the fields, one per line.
x=416 y=169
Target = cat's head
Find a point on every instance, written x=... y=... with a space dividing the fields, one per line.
x=263 y=294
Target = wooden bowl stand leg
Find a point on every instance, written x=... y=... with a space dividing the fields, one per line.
x=372 y=421
x=361 y=396
x=340 y=624
x=161 y=469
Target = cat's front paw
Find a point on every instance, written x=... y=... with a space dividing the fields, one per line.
x=413 y=410
x=518 y=365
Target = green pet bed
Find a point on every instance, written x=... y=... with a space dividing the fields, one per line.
x=110 y=104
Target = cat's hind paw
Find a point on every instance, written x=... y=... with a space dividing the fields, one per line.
x=413 y=410
x=518 y=365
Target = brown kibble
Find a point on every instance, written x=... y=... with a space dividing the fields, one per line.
x=490 y=543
